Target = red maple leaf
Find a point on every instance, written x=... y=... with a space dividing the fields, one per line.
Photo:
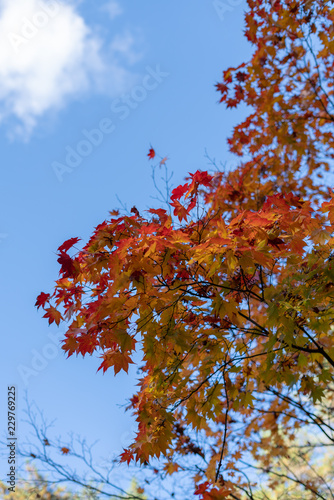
x=126 y=456
x=179 y=191
x=221 y=87
x=179 y=210
x=135 y=211
x=67 y=265
x=158 y=211
x=68 y=244
x=70 y=345
x=232 y=103
x=201 y=178
x=53 y=315
x=42 y=299
x=151 y=154
x=275 y=242
x=65 y=451
x=241 y=76
x=120 y=361
x=202 y=488
x=87 y=344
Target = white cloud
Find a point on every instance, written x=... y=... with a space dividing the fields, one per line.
x=122 y=45
x=49 y=55
x=113 y=8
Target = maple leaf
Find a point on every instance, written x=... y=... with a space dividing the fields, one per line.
x=163 y=161
x=86 y=343
x=68 y=268
x=70 y=344
x=53 y=315
x=221 y=87
x=179 y=191
x=135 y=211
x=180 y=211
x=228 y=76
x=276 y=242
x=127 y=456
x=151 y=154
x=119 y=361
x=202 y=488
x=160 y=212
x=65 y=451
x=42 y=299
x=201 y=177
x=241 y=76
x=232 y=103
x=171 y=467
x=68 y=244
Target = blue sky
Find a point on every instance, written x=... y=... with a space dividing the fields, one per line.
x=143 y=73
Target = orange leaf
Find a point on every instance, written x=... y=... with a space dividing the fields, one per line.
x=53 y=315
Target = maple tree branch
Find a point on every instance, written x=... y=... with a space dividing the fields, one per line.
x=320 y=79
x=321 y=479
x=280 y=412
x=262 y=283
x=295 y=480
x=204 y=381
x=203 y=283
x=239 y=290
x=266 y=333
x=164 y=198
x=248 y=493
x=311 y=445
x=302 y=408
x=182 y=360
x=319 y=348
x=225 y=427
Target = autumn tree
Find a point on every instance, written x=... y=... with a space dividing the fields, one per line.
x=230 y=300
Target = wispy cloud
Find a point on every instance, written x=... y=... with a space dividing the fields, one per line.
x=112 y=8
x=50 y=55
x=123 y=46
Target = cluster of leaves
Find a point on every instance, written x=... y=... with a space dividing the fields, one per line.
x=232 y=305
